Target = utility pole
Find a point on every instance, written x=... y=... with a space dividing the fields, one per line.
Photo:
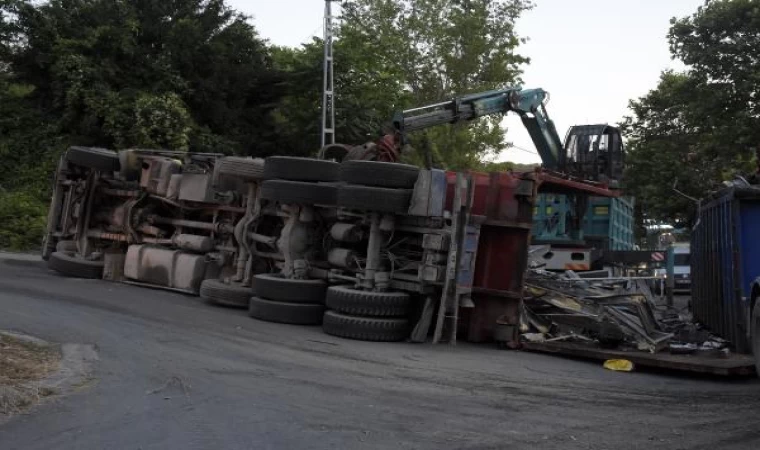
x=328 y=93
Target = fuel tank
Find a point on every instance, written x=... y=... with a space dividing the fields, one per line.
x=164 y=267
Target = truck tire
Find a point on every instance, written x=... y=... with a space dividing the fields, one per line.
x=300 y=169
x=247 y=169
x=100 y=159
x=755 y=335
x=281 y=312
x=277 y=288
x=379 y=174
x=68 y=264
x=374 y=198
x=365 y=328
x=351 y=301
x=299 y=192
x=221 y=293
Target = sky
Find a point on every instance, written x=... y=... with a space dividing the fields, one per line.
x=592 y=56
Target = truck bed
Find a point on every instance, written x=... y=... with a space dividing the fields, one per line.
x=731 y=365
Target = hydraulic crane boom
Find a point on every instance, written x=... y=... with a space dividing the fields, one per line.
x=592 y=152
x=528 y=103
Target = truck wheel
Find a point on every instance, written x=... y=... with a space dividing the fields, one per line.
x=221 y=293
x=281 y=312
x=346 y=300
x=755 y=335
x=379 y=174
x=374 y=199
x=365 y=328
x=298 y=192
x=248 y=169
x=300 y=169
x=100 y=159
x=278 y=288
x=67 y=263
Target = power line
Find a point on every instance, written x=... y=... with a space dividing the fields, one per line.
x=313 y=33
x=523 y=149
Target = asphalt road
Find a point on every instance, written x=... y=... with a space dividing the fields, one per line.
x=175 y=373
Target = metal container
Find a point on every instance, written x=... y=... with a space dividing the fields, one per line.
x=725 y=259
x=610 y=222
x=607 y=224
x=503 y=209
x=505 y=202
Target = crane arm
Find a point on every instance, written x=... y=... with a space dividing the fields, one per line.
x=528 y=103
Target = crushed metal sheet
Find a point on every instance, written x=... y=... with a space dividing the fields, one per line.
x=611 y=312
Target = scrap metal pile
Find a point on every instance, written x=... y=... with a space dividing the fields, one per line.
x=612 y=314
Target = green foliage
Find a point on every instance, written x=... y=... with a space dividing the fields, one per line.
x=162 y=122
x=182 y=74
x=29 y=142
x=298 y=115
x=185 y=74
x=23 y=220
x=391 y=55
x=424 y=51
x=366 y=97
x=701 y=126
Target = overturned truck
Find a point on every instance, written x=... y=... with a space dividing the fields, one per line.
x=373 y=250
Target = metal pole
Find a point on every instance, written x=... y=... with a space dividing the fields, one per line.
x=670 y=281
x=328 y=97
x=581 y=280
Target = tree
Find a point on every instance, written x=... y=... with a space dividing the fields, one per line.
x=185 y=74
x=182 y=74
x=701 y=126
x=423 y=51
x=365 y=97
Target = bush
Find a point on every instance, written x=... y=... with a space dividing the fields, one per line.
x=22 y=221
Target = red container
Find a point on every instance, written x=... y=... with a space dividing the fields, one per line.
x=505 y=201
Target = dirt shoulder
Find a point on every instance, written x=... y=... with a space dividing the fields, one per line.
x=23 y=363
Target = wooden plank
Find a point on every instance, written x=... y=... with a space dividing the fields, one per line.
x=734 y=364
x=420 y=332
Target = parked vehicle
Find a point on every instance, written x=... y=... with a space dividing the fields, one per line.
x=681 y=268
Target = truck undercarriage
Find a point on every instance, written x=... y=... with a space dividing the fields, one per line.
x=287 y=238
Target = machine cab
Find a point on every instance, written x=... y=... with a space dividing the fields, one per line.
x=595 y=152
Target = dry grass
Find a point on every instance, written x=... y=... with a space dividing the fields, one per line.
x=22 y=365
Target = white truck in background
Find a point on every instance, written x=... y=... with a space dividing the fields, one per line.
x=682 y=268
